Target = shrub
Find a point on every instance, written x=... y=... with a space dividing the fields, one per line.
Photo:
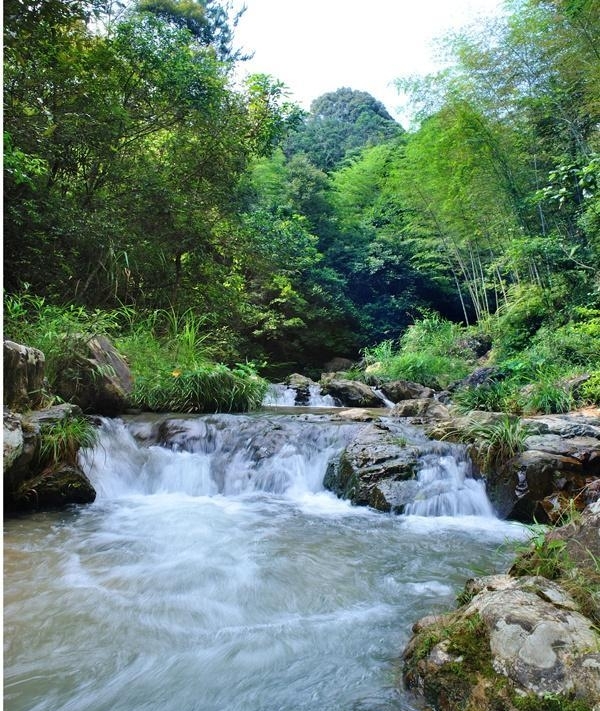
x=589 y=392
x=547 y=397
x=431 y=352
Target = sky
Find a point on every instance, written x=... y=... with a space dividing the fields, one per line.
x=316 y=46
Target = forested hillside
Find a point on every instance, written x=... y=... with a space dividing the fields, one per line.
x=140 y=180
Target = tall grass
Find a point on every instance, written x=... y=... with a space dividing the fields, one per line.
x=432 y=351
x=169 y=353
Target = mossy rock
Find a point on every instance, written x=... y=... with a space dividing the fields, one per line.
x=56 y=487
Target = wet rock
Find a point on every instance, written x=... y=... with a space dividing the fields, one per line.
x=397 y=390
x=376 y=469
x=518 y=636
x=23 y=377
x=55 y=488
x=422 y=410
x=561 y=458
x=356 y=414
x=96 y=378
x=23 y=438
x=351 y=393
x=301 y=385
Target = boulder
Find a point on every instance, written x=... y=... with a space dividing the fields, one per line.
x=55 y=488
x=96 y=378
x=552 y=469
x=397 y=390
x=351 y=393
x=338 y=364
x=23 y=377
x=518 y=637
x=376 y=469
x=422 y=410
x=301 y=385
x=560 y=461
x=22 y=441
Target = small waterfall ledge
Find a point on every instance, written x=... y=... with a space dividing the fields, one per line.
x=282 y=395
x=388 y=465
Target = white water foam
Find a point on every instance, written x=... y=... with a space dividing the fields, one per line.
x=280 y=395
x=228 y=455
x=446 y=488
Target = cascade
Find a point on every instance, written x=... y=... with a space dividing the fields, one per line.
x=280 y=395
x=446 y=487
x=209 y=455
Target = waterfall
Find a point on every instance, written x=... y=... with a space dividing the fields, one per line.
x=281 y=395
x=217 y=454
x=446 y=487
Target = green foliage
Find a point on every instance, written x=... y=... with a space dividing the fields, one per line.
x=498 y=441
x=208 y=388
x=429 y=353
x=589 y=392
x=61 y=440
x=549 y=702
x=492 y=396
x=547 y=397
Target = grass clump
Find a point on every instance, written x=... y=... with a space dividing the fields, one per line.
x=203 y=388
x=61 y=440
x=170 y=356
x=496 y=442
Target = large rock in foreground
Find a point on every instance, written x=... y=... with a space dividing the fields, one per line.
x=525 y=637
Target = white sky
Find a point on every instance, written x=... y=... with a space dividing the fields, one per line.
x=316 y=46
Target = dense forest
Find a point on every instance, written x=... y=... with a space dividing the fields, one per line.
x=147 y=190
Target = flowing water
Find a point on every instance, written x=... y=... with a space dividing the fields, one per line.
x=280 y=395
x=213 y=573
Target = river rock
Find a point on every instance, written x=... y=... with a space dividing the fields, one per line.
x=350 y=393
x=376 y=469
x=301 y=385
x=55 y=488
x=338 y=364
x=422 y=410
x=12 y=441
x=96 y=378
x=551 y=471
x=560 y=462
x=397 y=390
x=23 y=377
x=22 y=441
x=516 y=636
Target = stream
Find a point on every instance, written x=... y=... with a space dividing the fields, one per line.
x=214 y=573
